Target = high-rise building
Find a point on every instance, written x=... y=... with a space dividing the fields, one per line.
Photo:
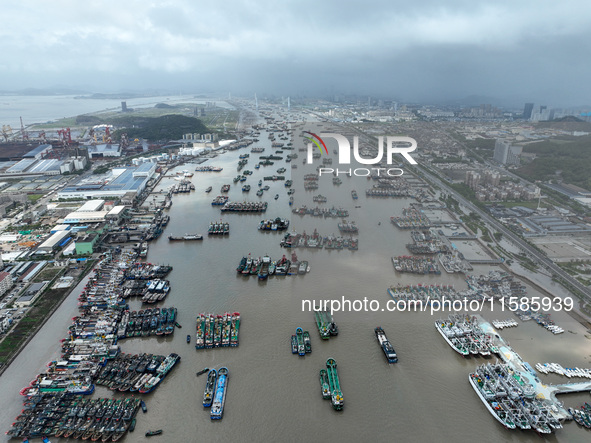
x=505 y=153
x=527 y=110
x=472 y=179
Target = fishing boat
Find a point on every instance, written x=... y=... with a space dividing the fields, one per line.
x=300 y=339
x=294 y=344
x=188 y=338
x=152 y=433
x=354 y=195
x=200 y=336
x=386 y=346
x=209 y=388
x=307 y=342
x=217 y=408
x=336 y=395
x=303 y=268
x=235 y=323
x=324 y=385
x=264 y=270
x=208 y=190
x=186 y=237
x=143 y=406
x=203 y=371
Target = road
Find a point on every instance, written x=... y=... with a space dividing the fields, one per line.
x=523 y=245
x=532 y=252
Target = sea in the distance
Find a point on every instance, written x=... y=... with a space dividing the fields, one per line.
x=274 y=395
x=42 y=109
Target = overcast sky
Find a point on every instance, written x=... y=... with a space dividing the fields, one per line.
x=514 y=51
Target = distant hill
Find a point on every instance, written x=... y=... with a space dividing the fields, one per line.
x=568 y=123
x=166 y=127
x=569 y=155
x=163 y=106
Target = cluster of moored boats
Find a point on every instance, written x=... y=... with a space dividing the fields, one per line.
x=325 y=323
x=301 y=343
x=244 y=207
x=555 y=368
x=330 y=385
x=145 y=323
x=90 y=347
x=219 y=228
x=541 y=318
x=209 y=169
x=389 y=192
x=415 y=265
x=348 y=227
x=136 y=373
x=215 y=331
x=148 y=289
x=501 y=324
x=411 y=218
x=512 y=400
x=278 y=224
x=316 y=240
x=582 y=415
x=464 y=335
x=264 y=266
x=220 y=200
x=425 y=242
x=214 y=394
x=321 y=212
x=74 y=417
x=184 y=187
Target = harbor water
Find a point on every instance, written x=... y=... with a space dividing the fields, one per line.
x=274 y=395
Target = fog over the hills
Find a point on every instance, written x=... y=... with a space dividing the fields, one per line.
x=413 y=51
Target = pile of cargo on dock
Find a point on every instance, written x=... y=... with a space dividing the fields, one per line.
x=214 y=331
x=415 y=265
x=411 y=218
x=244 y=207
